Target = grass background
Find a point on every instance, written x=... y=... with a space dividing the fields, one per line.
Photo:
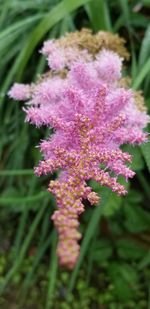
x=113 y=268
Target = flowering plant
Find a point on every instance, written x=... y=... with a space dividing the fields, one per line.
x=85 y=100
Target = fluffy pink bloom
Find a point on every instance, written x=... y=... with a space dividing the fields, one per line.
x=59 y=57
x=108 y=65
x=20 y=92
x=92 y=117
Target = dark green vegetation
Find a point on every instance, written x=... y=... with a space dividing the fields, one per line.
x=113 y=269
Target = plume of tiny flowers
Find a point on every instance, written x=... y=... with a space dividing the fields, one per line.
x=20 y=92
x=92 y=116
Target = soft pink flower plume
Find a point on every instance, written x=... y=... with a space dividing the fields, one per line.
x=92 y=117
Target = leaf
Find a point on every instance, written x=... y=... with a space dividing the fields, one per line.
x=98 y=12
x=129 y=274
x=146 y=153
x=139 y=20
x=101 y=251
x=112 y=205
x=137 y=219
x=124 y=279
x=129 y=250
x=23 y=249
x=126 y=13
x=145 y=48
x=116 y=228
x=18 y=200
x=20 y=172
x=144 y=184
x=31 y=275
x=133 y=62
x=114 y=202
x=142 y=74
x=137 y=160
x=57 y=13
x=145 y=261
x=146 y=2
x=134 y=197
x=19 y=25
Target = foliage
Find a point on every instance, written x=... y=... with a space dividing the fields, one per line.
x=113 y=268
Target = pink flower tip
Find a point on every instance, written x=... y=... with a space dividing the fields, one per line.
x=19 y=92
x=109 y=65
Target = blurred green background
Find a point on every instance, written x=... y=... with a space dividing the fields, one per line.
x=113 y=271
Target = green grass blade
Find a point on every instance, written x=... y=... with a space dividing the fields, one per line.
x=146 y=153
x=31 y=275
x=23 y=250
x=56 y=14
x=133 y=62
x=22 y=222
x=145 y=48
x=59 y=12
x=145 y=261
x=4 y=12
x=52 y=274
x=44 y=229
x=24 y=200
x=88 y=236
x=20 y=231
x=98 y=12
x=18 y=26
x=142 y=74
x=9 y=78
x=23 y=172
x=126 y=13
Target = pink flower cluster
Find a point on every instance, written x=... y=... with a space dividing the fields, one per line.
x=59 y=57
x=92 y=116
